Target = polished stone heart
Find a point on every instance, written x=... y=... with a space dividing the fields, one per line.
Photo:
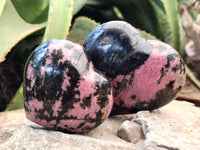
x=62 y=89
x=145 y=74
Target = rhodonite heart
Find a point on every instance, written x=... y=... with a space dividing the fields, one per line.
x=62 y=89
x=145 y=74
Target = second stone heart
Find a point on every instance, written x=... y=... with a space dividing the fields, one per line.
x=145 y=74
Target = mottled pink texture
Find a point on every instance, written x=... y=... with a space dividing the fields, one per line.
x=48 y=61
x=107 y=110
x=42 y=71
x=148 y=76
x=146 y=82
x=30 y=76
x=46 y=114
x=62 y=89
x=66 y=82
x=55 y=45
x=45 y=123
x=57 y=107
x=70 y=123
x=86 y=88
x=80 y=113
x=144 y=74
x=48 y=124
x=119 y=78
x=29 y=71
x=34 y=103
x=73 y=123
x=31 y=115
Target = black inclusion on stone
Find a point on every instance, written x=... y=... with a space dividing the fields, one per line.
x=113 y=53
x=86 y=102
x=49 y=88
x=163 y=73
x=165 y=69
x=69 y=95
x=36 y=60
x=163 y=97
x=81 y=125
x=27 y=94
x=57 y=55
x=119 y=109
x=98 y=120
x=170 y=58
x=102 y=92
x=133 y=97
x=53 y=91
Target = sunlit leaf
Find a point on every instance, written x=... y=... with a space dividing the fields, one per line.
x=171 y=9
x=182 y=40
x=2 y=3
x=97 y=2
x=117 y=12
x=13 y=29
x=162 y=20
x=59 y=19
x=36 y=11
x=32 y=11
x=78 y=4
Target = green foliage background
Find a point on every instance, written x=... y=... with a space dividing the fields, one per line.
x=25 y=24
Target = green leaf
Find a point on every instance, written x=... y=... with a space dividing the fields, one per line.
x=140 y=14
x=147 y=35
x=171 y=9
x=182 y=40
x=32 y=11
x=2 y=3
x=13 y=29
x=81 y=29
x=36 y=11
x=162 y=20
x=59 y=19
x=17 y=101
x=191 y=77
x=117 y=12
x=78 y=4
x=97 y=2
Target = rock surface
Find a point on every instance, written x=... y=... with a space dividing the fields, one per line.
x=173 y=127
x=130 y=131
